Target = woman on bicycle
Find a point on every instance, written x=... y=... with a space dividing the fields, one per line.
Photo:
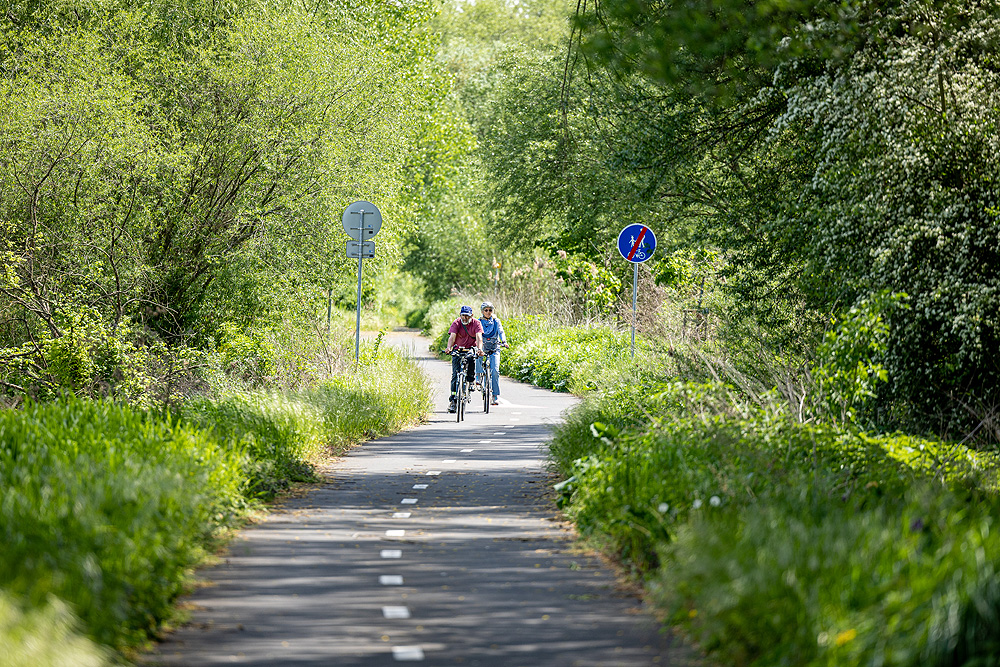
x=493 y=339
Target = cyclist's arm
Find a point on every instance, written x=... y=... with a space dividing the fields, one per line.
x=451 y=342
x=479 y=342
x=501 y=336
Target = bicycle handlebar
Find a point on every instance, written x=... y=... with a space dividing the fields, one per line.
x=465 y=350
x=455 y=351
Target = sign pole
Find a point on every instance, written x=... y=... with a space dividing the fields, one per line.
x=635 y=298
x=362 y=247
x=636 y=244
x=357 y=327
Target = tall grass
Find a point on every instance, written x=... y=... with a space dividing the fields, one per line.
x=778 y=541
x=107 y=508
x=46 y=636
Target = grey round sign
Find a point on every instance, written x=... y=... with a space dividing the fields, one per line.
x=362 y=220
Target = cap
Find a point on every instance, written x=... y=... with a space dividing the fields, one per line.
x=486 y=304
x=466 y=310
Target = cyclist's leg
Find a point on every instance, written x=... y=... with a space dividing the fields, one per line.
x=479 y=370
x=471 y=371
x=494 y=374
x=456 y=367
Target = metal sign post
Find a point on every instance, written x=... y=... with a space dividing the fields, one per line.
x=362 y=221
x=636 y=244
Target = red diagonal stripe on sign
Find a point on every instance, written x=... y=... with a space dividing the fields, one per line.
x=638 y=242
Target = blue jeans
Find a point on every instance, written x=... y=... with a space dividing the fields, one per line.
x=494 y=375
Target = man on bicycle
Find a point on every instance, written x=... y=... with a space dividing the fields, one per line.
x=465 y=332
x=493 y=339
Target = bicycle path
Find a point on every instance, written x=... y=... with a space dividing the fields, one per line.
x=439 y=545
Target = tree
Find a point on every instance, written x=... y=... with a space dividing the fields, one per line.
x=181 y=165
x=871 y=124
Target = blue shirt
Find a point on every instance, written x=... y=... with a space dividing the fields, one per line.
x=492 y=333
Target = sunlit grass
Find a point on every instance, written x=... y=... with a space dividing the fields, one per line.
x=46 y=636
x=108 y=508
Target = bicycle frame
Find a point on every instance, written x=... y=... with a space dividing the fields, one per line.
x=462 y=389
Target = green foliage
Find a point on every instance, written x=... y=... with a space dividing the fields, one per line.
x=457 y=241
x=849 y=367
x=108 y=508
x=576 y=359
x=73 y=469
x=780 y=542
x=832 y=152
x=249 y=358
x=907 y=583
x=181 y=166
x=46 y=636
x=596 y=287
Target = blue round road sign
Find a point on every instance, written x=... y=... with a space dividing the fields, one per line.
x=636 y=243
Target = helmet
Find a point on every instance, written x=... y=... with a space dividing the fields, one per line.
x=486 y=304
x=465 y=310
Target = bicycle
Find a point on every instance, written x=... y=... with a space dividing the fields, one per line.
x=487 y=376
x=487 y=380
x=463 y=393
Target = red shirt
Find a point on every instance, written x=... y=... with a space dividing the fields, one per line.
x=463 y=339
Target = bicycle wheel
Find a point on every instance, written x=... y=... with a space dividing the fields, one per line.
x=464 y=398
x=460 y=399
x=487 y=387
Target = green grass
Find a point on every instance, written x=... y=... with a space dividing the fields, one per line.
x=105 y=509
x=46 y=636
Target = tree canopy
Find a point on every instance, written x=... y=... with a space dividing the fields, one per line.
x=174 y=166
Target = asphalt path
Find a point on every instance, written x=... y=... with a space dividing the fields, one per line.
x=439 y=545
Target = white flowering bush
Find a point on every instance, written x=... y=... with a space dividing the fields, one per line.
x=904 y=197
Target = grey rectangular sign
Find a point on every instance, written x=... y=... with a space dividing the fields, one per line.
x=364 y=249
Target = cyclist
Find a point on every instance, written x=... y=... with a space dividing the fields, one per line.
x=493 y=339
x=465 y=332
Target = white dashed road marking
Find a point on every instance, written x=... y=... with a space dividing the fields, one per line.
x=419 y=486
x=465 y=451
x=391 y=580
x=402 y=653
x=391 y=553
x=395 y=612
x=395 y=533
x=433 y=472
x=408 y=501
x=400 y=515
